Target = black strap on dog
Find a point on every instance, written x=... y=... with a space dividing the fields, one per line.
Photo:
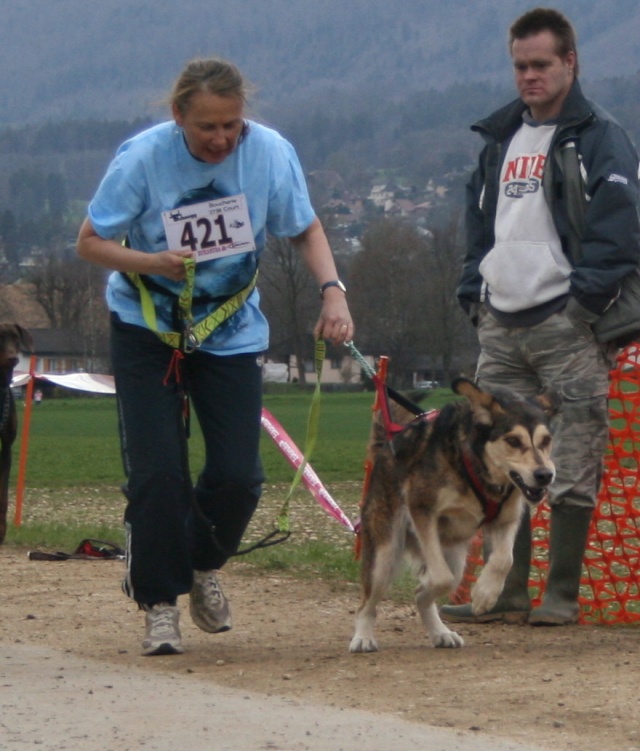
x=384 y=393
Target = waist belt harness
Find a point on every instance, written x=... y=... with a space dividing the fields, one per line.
x=191 y=333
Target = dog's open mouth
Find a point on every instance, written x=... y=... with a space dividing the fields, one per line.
x=533 y=495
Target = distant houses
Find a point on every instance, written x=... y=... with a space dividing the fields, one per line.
x=59 y=352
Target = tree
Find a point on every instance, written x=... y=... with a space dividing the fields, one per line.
x=71 y=293
x=28 y=191
x=387 y=294
x=9 y=237
x=403 y=296
x=57 y=197
x=448 y=332
x=289 y=300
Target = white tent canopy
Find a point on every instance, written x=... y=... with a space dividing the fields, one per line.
x=94 y=382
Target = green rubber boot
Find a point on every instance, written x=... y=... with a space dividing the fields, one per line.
x=567 y=543
x=513 y=605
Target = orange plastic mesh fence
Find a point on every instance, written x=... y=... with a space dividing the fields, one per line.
x=610 y=587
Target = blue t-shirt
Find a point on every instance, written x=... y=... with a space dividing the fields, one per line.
x=155 y=172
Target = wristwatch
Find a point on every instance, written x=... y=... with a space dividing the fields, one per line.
x=335 y=283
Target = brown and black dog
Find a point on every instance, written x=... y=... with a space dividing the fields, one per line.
x=434 y=484
x=13 y=339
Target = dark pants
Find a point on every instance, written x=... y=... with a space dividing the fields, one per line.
x=168 y=536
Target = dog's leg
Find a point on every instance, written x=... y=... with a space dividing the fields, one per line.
x=490 y=583
x=8 y=432
x=440 y=635
x=438 y=577
x=377 y=571
x=5 y=468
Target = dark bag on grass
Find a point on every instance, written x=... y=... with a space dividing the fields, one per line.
x=88 y=549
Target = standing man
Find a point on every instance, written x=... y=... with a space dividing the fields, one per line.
x=534 y=301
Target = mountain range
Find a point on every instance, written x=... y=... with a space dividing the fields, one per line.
x=117 y=59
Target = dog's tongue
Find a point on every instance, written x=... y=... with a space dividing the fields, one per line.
x=535 y=495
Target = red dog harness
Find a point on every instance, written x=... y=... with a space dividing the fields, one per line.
x=490 y=507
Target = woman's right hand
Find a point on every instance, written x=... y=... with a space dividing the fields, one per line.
x=169 y=263
x=114 y=255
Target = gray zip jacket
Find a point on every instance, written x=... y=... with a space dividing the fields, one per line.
x=610 y=242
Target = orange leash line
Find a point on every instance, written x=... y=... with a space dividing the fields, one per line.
x=383 y=363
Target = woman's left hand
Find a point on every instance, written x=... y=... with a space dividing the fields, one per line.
x=335 y=322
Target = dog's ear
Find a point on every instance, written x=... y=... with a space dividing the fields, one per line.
x=24 y=337
x=483 y=405
x=548 y=401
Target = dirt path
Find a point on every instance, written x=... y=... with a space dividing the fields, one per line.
x=568 y=688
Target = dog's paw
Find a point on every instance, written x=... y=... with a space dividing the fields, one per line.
x=447 y=640
x=363 y=644
x=481 y=605
x=483 y=598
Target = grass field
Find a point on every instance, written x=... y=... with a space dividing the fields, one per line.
x=74 y=442
x=74 y=473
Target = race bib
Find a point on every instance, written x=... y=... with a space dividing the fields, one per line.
x=210 y=229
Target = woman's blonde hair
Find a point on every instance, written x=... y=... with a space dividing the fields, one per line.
x=212 y=75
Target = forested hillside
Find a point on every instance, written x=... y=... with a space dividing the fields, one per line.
x=422 y=136
x=358 y=87
x=115 y=59
x=372 y=93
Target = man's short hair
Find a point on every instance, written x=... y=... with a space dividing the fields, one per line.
x=546 y=19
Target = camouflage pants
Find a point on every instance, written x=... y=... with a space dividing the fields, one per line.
x=560 y=354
